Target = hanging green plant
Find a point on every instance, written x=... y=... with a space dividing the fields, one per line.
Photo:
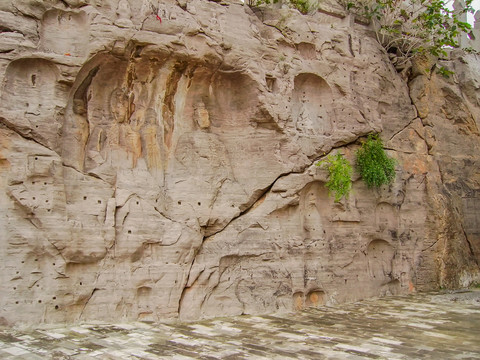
x=340 y=175
x=374 y=165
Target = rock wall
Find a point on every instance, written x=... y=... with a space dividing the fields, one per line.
x=158 y=161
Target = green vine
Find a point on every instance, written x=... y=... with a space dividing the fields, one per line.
x=340 y=175
x=374 y=165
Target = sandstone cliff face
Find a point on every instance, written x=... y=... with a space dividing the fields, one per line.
x=165 y=168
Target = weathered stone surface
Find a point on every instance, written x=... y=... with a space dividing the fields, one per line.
x=158 y=161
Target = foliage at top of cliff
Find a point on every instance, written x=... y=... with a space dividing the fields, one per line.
x=415 y=26
x=405 y=28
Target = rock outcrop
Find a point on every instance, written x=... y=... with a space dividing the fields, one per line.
x=158 y=161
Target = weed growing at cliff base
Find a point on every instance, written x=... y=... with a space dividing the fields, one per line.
x=340 y=175
x=374 y=165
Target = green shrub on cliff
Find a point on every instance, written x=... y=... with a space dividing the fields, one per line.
x=340 y=175
x=374 y=165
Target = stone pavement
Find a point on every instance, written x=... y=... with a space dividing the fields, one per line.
x=423 y=326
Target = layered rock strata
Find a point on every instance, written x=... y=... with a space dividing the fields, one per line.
x=158 y=161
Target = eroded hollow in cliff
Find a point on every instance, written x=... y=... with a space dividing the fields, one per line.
x=312 y=110
x=64 y=32
x=29 y=87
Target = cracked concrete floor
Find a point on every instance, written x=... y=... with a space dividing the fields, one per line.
x=422 y=326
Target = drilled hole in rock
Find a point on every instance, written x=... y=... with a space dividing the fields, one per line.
x=16 y=302
x=54 y=298
x=38 y=285
x=129 y=231
x=36 y=158
x=39 y=301
x=45 y=183
x=199 y=203
x=53 y=264
x=18 y=272
x=34 y=79
x=56 y=307
x=33 y=182
x=36 y=126
x=179 y=203
x=99 y=201
x=48 y=210
x=81 y=283
x=14 y=288
x=46 y=201
x=33 y=198
x=36 y=259
x=23 y=262
x=84 y=198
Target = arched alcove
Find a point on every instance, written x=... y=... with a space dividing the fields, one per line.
x=64 y=32
x=380 y=256
x=30 y=87
x=312 y=100
x=313 y=200
x=315 y=298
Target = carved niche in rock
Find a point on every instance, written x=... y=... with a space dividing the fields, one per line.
x=312 y=98
x=64 y=32
x=311 y=218
x=113 y=119
x=31 y=97
x=386 y=217
x=380 y=260
x=29 y=87
x=124 y=14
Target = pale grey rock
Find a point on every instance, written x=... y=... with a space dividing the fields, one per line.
x=158 y=160
x=10 y=23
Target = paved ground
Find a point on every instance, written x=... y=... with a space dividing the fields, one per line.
x=425 y=326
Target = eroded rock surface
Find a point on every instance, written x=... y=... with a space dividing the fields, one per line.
x=158 y=161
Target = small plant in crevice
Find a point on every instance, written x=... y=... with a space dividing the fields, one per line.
x=444 y=72
x=374 y=165
x=339 y=175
